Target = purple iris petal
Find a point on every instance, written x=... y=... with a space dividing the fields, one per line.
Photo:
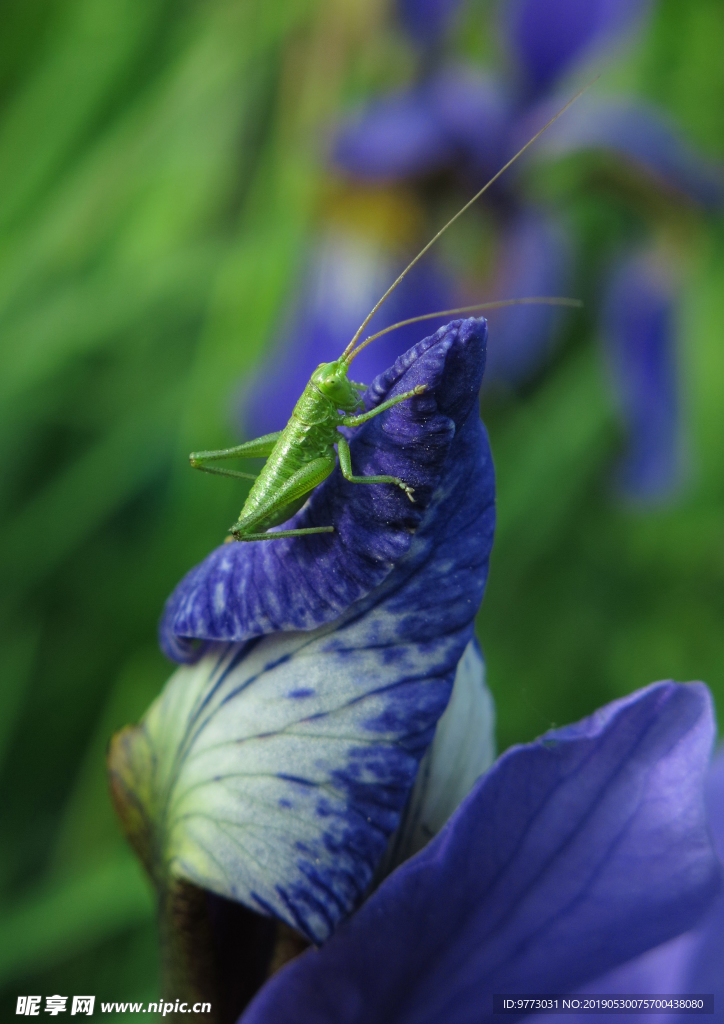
x=534 y=259
x=345 y=279
x=475 y=111
x=427 y=20
x=548 y=36
x=638 y=322
x=705 y=973
x=692 y=962
x=456 y=118
x=438 y=547
x=399 y=136
x=572 y=854
x=637 y=133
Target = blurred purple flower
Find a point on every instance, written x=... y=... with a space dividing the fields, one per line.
x=427 y=20
x=344 y=279
x=639 y=334
x=534 y=258
x=547 y=38
x=572 y=854
x=460 y=120
x=637 y=134
x=457 y=118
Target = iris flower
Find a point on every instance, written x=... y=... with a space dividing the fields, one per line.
x=308 y=747
x=319 y=666
x=459 y=122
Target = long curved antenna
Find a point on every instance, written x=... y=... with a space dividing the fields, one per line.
x=542 y=300
x=460 y=212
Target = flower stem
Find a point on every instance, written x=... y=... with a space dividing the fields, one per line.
x=216 y=951
x=188 y=966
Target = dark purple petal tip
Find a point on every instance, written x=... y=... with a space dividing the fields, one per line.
x=637 y=134
x=535 y=259
x=395 y=137
x=639 y=332
x=571 y=855
x=343 y=279
x=456 y=118
x=427 y=21
x=549 y=36
x=435 y=442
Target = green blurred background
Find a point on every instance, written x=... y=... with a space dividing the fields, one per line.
x=161 y=169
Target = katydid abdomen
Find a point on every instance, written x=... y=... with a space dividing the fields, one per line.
x=301 y=458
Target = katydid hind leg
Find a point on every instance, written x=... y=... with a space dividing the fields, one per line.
x=260 y=447
x=218 y=471
x=286 y=500
x=345 y=462
x=281 y=534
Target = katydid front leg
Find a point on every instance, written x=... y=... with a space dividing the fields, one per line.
x=356 y=421
x=345 y=463
x=260 y=447
x=345 y=458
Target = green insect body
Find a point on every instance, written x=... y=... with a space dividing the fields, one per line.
x=302 y=455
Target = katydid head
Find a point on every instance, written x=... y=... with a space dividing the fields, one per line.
x=331 y=380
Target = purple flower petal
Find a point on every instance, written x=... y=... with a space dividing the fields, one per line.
x=572 y=854
x=427 y=20
x=692 y=962
x=705 y=973
x=457 y=118
x=548 y=36
x=534 y=259
x=344 y=280
x=638 y=328
x=432 y=441
x=640 y=135
x=397 y=137
x=475 y=112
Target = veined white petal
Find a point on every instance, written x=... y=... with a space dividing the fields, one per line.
x=281 y=766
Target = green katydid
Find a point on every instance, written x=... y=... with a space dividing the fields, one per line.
x=302 y=455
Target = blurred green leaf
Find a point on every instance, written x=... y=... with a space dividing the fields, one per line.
x=18 y=648
x=545 y=456
x=89 y=830
x=78 y=501
x=66 y=915
x=96 y=310
x=93 y=46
